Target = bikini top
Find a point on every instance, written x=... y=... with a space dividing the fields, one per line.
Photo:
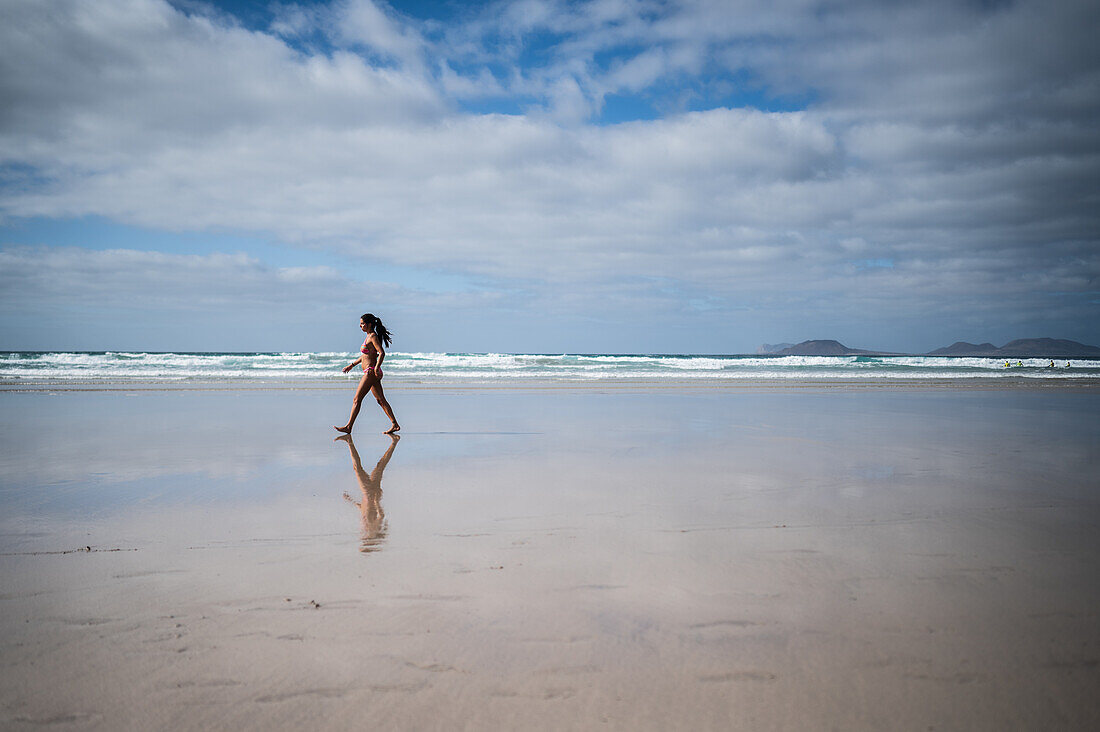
x=367 y=348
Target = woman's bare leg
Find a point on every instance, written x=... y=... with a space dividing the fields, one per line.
x=365 y=384
x=380 y=395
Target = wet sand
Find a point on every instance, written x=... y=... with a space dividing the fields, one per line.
x=784 y=557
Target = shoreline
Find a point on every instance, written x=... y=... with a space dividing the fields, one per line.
x=626 y=384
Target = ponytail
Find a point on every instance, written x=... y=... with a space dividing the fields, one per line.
x=376 y=327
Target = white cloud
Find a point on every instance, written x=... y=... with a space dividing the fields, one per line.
x=154 y=280
x=639 y=72
x=364 y=22
x=458 y=86
x=956 y=140
x=125 y=298
x=499 y=195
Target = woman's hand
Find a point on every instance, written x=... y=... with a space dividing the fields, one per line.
x=348 y=367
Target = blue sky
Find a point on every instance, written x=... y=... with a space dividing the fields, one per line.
x=547 y=176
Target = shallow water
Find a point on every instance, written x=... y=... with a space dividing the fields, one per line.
x=856 y=558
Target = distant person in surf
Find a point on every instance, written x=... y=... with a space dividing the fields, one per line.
x=371 y=355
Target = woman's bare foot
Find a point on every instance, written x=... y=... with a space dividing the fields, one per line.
x=392 y=430
x=345 y=430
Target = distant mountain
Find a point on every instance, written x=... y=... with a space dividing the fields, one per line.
x=827 y=348
x=962 y=348
x=1022 y=348
x=768 y=348
x=1049 y=347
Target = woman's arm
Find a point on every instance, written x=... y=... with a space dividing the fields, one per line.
x=352 y=365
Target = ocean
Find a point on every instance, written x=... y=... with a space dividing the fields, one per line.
x=28 y=367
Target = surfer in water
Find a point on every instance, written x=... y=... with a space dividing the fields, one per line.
x=371 y=355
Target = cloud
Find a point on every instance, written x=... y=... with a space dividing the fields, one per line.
x=956 y=140
x=502 y=196
x=103 y=81
x=125 y=298
x=130 y=279
x=639 y=72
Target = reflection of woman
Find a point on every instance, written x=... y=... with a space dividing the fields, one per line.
x=371 y=355
x=373 y=517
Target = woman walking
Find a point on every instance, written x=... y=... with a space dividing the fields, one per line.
x=371 y=355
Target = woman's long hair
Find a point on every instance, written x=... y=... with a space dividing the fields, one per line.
x=376 y=327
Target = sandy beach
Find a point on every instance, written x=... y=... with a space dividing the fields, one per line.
x=591 y=557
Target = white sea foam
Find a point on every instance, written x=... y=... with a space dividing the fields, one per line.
x=117 y=366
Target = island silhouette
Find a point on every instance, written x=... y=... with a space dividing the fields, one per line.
x=1020 y=348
